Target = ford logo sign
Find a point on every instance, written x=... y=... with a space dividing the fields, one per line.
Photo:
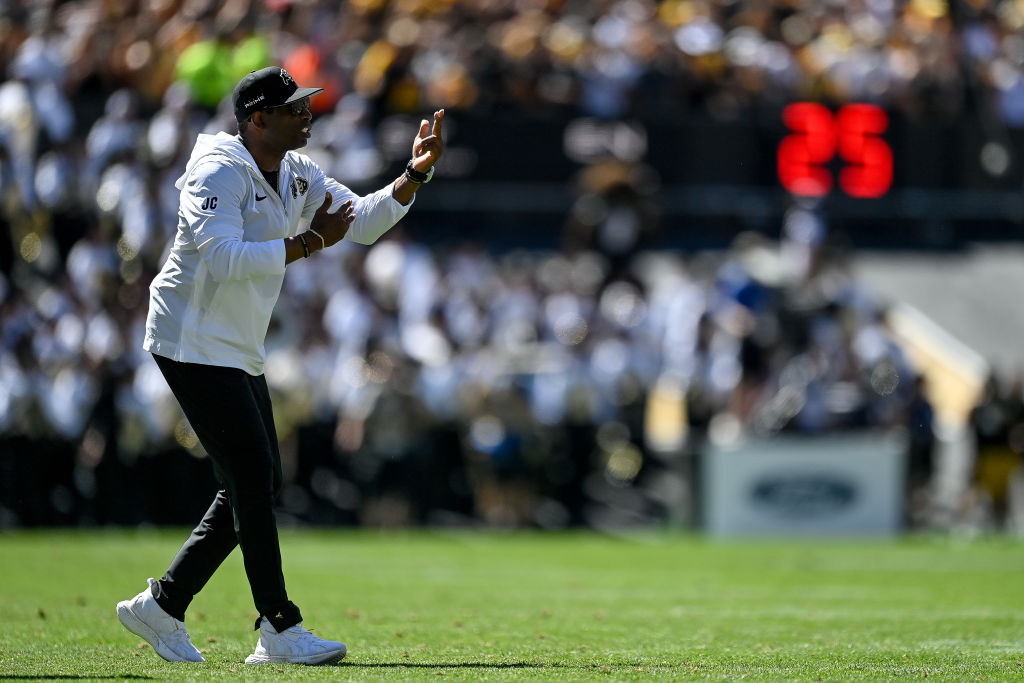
x=803 y=495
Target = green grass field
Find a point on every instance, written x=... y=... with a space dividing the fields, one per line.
x=472 y=606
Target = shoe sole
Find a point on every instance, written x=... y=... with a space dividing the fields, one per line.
x=312 y=660
x=131 y=621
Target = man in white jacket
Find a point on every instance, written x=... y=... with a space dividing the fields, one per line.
x=243 y=200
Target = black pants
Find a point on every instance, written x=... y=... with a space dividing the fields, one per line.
x=231 y=414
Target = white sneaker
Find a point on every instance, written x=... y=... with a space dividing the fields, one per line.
x=145 y=618
x=294 y=645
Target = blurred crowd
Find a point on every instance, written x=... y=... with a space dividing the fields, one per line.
x=418 y=382
x=609 y=58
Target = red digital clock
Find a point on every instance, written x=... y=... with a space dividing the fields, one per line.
x=818 y=136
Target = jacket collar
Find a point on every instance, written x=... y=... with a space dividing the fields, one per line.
x=222 y=144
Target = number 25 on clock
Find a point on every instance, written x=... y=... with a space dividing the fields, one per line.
x=817 y=137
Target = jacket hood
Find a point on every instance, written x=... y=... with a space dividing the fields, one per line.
x=223 y=144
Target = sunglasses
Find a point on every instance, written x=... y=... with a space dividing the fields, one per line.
x=296 y=108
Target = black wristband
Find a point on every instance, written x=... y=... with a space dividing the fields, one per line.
x=305 y=246
x=418 y=177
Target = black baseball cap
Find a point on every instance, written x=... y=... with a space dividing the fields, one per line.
x=271 y=86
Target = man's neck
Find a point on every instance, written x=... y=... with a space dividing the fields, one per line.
x=266 y=161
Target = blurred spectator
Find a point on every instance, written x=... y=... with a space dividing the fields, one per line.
x=19 y=128
x=614 y=214
x=997 y=424
x=921 y=442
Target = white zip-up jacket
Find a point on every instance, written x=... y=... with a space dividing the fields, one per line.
x=212 y=301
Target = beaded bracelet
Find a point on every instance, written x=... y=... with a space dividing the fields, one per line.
x=323 y=242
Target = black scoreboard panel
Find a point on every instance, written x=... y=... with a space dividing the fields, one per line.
x=884 y=179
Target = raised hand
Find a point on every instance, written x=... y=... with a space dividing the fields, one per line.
x=331 y=227
x=428 y=146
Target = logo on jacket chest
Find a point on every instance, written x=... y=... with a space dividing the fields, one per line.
x=299 y=187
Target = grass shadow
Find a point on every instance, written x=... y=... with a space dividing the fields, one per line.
x=447 y=665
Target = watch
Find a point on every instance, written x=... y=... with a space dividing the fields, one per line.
x=418 y=177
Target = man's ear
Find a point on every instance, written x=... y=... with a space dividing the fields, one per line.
x=257 y=119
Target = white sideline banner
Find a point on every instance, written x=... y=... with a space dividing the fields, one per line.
x=797 y=485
